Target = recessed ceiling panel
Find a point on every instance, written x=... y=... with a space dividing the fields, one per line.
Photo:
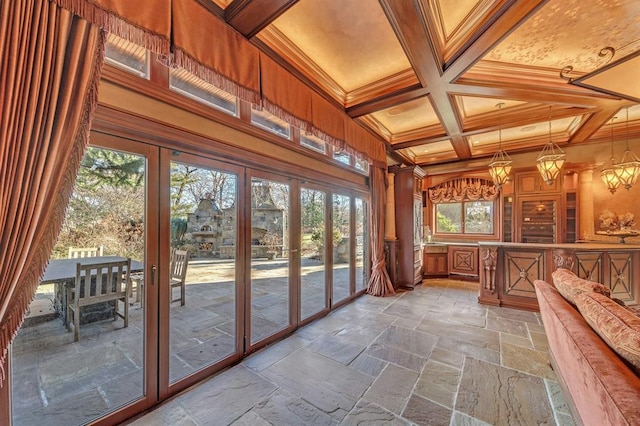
x=470 y=106
x=351 y=41
x=409 y=116
x=572 y=32
x=524 y=136
x=431 y=152
x=453 y=13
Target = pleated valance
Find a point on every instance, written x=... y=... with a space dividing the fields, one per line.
x=146 y=23
x=463 y=189
x=189 y=36
x=327 y=120
x=285 y=96
x=211 y=50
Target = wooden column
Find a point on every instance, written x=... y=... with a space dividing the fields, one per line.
x=586 y=223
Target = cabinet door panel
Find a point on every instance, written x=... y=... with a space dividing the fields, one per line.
x=463 y=260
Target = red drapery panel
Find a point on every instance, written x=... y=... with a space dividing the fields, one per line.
x=208 y=48
x=379 y=282
x=284 y=96
x=146 y=23
x=50 y=64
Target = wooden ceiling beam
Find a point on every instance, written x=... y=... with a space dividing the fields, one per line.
x=407 y=21
x=513 y=14
x=387 y=101
x=249 y=17
x=595 y=122
x=538 y=94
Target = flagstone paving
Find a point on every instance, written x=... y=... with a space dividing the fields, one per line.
x=432 y=356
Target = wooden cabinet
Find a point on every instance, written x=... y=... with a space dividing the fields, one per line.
x=463 y=260
x=538 y=219
x=507 y=219
x=543 y=214
x=570 y=217
x=435 y=261
x=408 y=201
x=531 y=182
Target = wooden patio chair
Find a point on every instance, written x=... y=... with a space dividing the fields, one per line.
x=98 y=283
x=179 y=263
x=178 y=271
x=81 y=252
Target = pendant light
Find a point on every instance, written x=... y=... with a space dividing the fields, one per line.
x=628 y=168
x=500 y=165
x=608 y=172
x=551 y=159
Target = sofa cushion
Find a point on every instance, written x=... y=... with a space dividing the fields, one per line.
x=618 y=327
x=570 y=285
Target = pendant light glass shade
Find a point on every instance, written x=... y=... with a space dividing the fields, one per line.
x=500 y=165
x=628 y=169
x=551 y=159
x=608 y=174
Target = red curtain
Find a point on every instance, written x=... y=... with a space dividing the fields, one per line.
x=379 y=282
x=50 y=64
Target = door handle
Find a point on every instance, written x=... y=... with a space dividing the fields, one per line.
x=153 y=274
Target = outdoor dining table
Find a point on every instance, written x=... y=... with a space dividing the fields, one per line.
x=62 y=273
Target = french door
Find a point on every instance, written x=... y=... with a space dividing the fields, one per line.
x=264 y=252
x=110 y=372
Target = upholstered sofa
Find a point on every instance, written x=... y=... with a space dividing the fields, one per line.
x=600 y=386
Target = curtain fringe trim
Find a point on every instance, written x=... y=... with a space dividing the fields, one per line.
x=184 y=60
x=115 y=24
x=285 y=115
x=38 y=264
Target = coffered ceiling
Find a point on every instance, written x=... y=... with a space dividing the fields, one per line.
x=426 y=75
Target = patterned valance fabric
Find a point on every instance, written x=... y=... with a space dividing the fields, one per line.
x=463 y=189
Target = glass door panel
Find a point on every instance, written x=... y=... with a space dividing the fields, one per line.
x=60 y=380
x=203 y=299
x=313 y=293
x=270 y=262
x=362 y=244
x=341 y=247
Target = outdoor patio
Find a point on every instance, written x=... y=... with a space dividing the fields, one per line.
x=59 y=382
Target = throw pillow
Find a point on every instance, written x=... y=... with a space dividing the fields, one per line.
x=570 y=285
x=618 y=327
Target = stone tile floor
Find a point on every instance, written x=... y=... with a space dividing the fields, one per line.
x=433 y=356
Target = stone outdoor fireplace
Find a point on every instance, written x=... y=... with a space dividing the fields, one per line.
x=211 y=230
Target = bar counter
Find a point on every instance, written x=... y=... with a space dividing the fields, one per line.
x=508 y=270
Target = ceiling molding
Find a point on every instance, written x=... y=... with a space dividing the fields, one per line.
x=249 y=17
x=388 y=86
x=299 y=64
